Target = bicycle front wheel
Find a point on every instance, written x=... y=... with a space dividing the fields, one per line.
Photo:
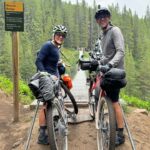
x=57 y=129
x=107 y=125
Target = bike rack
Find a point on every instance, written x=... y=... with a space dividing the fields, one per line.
x=32 y=125
x=128 y=131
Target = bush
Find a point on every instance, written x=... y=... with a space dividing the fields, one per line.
x=134 y=101
x=24 y=92
x=6 y=84
x=26 y=95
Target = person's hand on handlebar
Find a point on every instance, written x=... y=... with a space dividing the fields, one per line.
x=105 y=68
x=94 y=63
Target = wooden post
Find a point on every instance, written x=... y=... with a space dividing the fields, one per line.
x=15 y=59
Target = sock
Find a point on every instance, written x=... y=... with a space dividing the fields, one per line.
x=120 y=131
x=42 y=130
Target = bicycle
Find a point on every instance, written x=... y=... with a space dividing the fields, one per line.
x=103 y=110
x=93 y=78
x=50 y=92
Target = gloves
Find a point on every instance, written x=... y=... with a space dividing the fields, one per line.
x=94 y=63
x=105 y=68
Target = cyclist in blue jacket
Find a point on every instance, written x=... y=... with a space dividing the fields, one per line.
x=48 y=61
x=112 y=43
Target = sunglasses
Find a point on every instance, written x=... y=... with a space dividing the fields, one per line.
x=101 y=16
x=61 y=34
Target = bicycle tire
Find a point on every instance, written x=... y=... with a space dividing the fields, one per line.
x=71 y=97
x=91 y=105
x=103 y=125
x=54 y=134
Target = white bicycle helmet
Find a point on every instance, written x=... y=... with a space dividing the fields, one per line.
x=60 y=29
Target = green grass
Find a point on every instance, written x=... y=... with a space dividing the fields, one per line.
x=25 y=94
x=136 y=102
x=6 y=84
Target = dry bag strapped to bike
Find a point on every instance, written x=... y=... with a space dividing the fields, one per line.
x=88 y=65
x=114 y=79
x=42 y=86
x=67 y=81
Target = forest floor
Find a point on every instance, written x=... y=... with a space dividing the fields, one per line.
x=81 y=136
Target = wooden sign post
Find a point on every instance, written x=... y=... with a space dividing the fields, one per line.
x=15 y=60
x=14 y=21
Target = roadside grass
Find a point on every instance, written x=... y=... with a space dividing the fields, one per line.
x=25 y=95
x=136 y=102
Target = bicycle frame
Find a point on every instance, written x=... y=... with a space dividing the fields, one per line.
x=102 y=93
x=95 y=83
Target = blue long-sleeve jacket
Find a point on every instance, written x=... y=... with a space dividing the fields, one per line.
x=47 y=59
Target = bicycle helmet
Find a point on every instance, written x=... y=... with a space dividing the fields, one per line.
x=60 y=29
x=102 y=12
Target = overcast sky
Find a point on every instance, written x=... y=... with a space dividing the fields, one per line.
x=136 y=5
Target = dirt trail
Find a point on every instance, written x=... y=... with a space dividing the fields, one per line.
x=81 y=136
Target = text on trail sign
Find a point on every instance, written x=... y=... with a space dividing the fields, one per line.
x=14 y=16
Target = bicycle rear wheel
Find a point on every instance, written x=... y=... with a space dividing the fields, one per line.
x=74 y=106
x=57 y=128
x=107 y=125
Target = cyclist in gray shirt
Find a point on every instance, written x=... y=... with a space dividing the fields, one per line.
x=112 y=43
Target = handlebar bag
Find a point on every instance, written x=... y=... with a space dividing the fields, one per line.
x=85 y=65
x=88 y=66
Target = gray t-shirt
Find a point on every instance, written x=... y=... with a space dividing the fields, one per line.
x=113 y=47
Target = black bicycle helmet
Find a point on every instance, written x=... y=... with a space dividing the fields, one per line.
x=102 y=12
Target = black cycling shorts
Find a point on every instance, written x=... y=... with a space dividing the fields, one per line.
x=113 y=94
